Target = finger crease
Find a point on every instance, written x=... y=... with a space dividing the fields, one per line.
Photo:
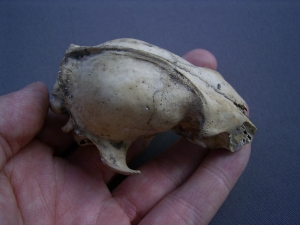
x=129 y=208
x=187 y=211
x=5 y=151
x=220 y=175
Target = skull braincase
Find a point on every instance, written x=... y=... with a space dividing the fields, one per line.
x=126 y=89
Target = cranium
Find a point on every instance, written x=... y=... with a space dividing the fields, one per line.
x=125 y=89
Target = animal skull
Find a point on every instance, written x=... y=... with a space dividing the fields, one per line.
x=125 y=89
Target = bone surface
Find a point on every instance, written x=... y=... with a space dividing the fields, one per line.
x=125 y=89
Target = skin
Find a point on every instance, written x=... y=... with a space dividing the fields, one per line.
x=186 y=184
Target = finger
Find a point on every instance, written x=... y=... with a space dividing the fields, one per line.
x=202 y=58
x=52 y=134
x=197 y=200
x=138 y=194
x=22 y=116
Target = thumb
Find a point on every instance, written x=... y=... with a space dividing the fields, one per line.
x=22 y=114
x=201 y=57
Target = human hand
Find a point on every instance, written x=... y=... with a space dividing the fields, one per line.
x=184 y=185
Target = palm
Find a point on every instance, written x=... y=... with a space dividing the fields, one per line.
x=52 y=189
x=39 y=187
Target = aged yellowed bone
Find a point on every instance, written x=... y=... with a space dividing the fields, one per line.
x=126 y=89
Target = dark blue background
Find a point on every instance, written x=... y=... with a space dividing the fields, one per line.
x=256 y=43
